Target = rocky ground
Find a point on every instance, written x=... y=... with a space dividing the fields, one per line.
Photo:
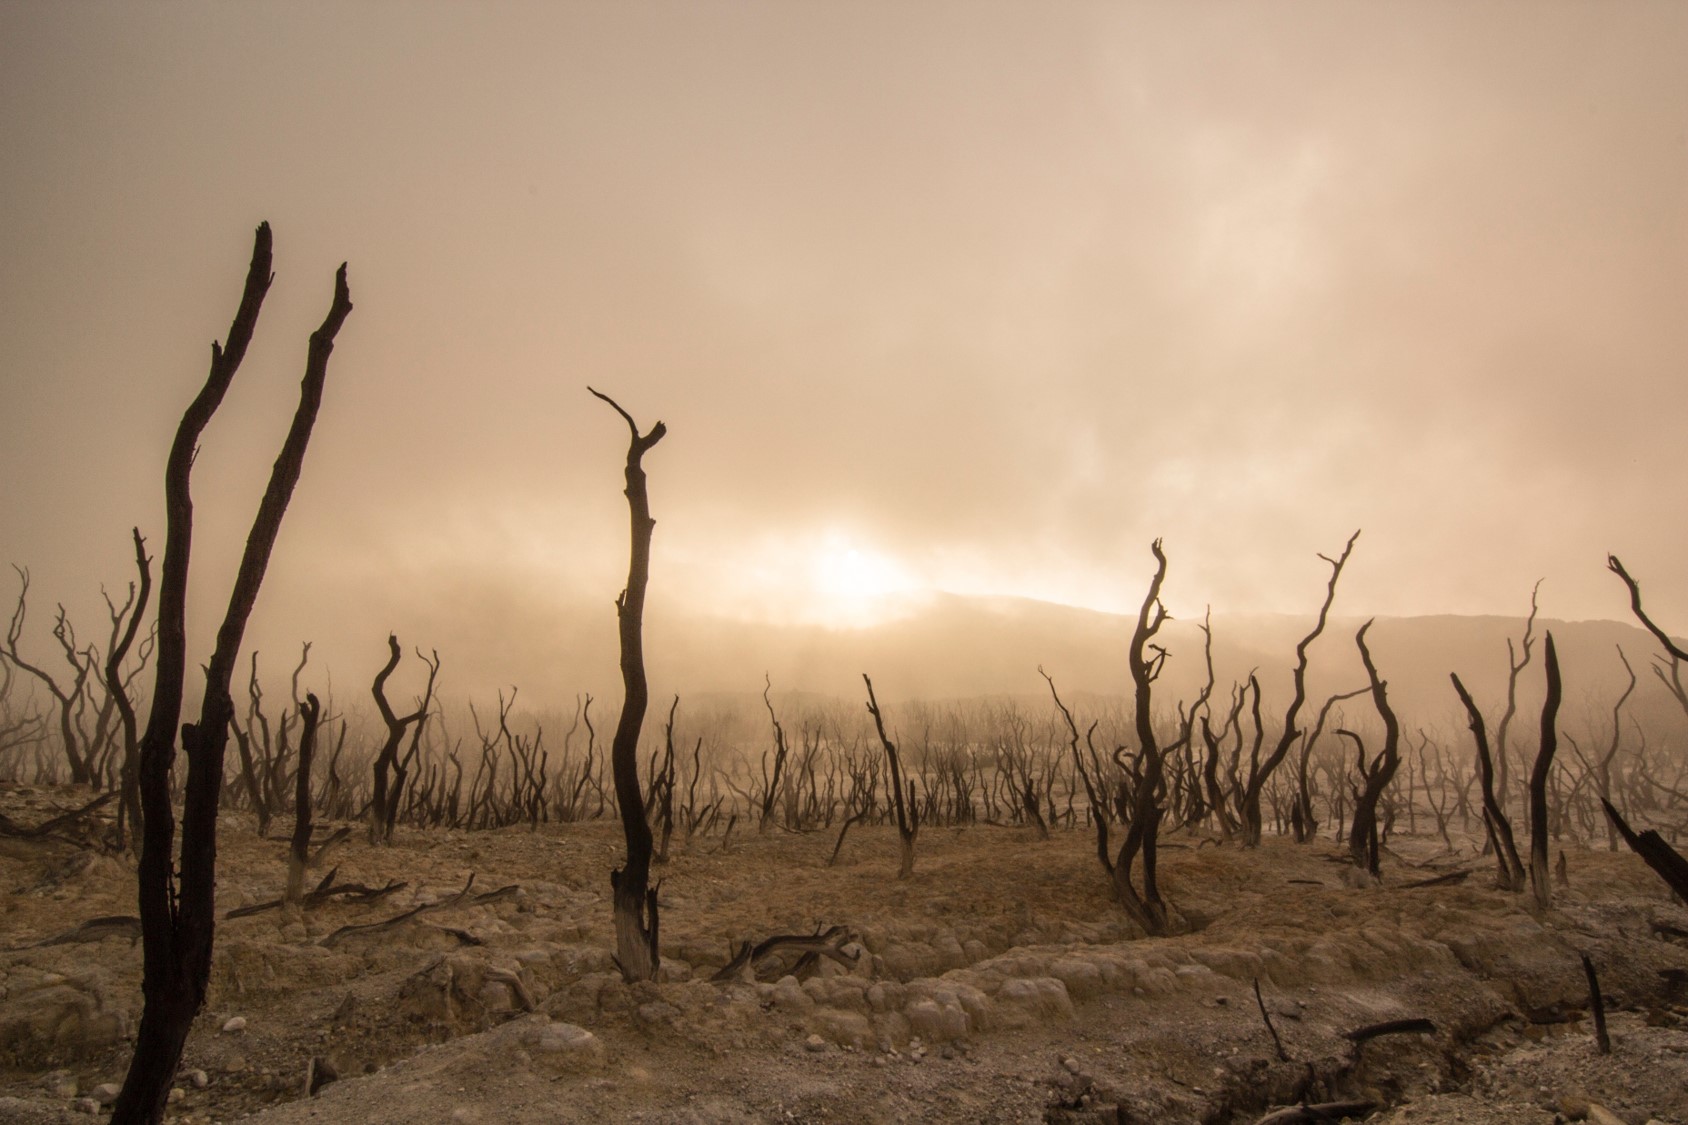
x=999 y=984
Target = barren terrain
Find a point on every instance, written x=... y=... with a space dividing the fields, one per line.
x=999 y=984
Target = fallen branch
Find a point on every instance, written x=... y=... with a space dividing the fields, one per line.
x=94 y=929
x=1448 y=880
x=1324 y=1111
x=1363 y=1035
x=325 y=890
x=828 y=944
x=398 y=919
x=10 y=828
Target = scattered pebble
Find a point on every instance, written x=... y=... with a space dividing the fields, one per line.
x=234 y=1024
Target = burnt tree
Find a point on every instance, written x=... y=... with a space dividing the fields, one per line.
x=177 y=911
x=908 y=812
x=1145 y=660
x=299 y=844
x=1541 y=889
x=635 y=909
x=384 y=805
x=1672 y=679
x=1260 y=772
x=1362 y=833
x=129 y=811
x=1510 y=877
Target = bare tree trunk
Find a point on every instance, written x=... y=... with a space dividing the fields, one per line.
x=908 y=813
x=1145 y=660
x=1511 y=874
x=300 y=845
x=1362 y=836
x=635 y=908
x=1539 y=885
x=178 y=918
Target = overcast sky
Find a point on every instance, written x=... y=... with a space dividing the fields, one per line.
x=972 y=297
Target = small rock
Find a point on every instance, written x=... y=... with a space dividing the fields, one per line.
x=199 y=1079
x=234 y=1064
x=234 y=1024
x=105 y=1093
x=85 y=1105
x=814 y=1043
x=1071 y=1064
x=176 y=1094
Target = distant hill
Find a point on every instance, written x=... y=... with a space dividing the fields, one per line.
x=954 y=647
x=959 y=647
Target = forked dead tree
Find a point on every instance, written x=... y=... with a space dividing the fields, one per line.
x=1260 y=772
x=635 y=909
x=384 y=806
x=1376 y=776
x=129 y=811
x=178 y=917
x=1145 y=659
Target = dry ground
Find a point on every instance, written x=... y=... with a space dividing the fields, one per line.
x=999 y=984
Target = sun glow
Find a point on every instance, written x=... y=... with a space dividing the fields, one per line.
x=852 y=584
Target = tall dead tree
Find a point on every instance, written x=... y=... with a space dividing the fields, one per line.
x=1362 y=834
x=635 y=907
x=908 y=812
x=1515 y=665
x=1540 y=886
x=178 y=914
x=1145 y=660
x=1511 y=874
x=1261 y=772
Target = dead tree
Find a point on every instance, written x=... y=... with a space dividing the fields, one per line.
x=384 y=805
x=178 y=917
x=1259 y=772
x=908 y=813
x=298 y=852
x=1515 y=666
x=1362 y=835
x=1145 y=660
x=1667 y=863
x=1539 y=885
x=1672 y=679
x=129 y=808
x=771 y=785
x=1511 y=874
x=70 y=698
x=635 y=907
x=1302 y=820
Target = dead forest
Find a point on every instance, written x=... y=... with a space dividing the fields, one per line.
x=91 y=716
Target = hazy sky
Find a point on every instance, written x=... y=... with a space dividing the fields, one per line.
x=976 y=297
